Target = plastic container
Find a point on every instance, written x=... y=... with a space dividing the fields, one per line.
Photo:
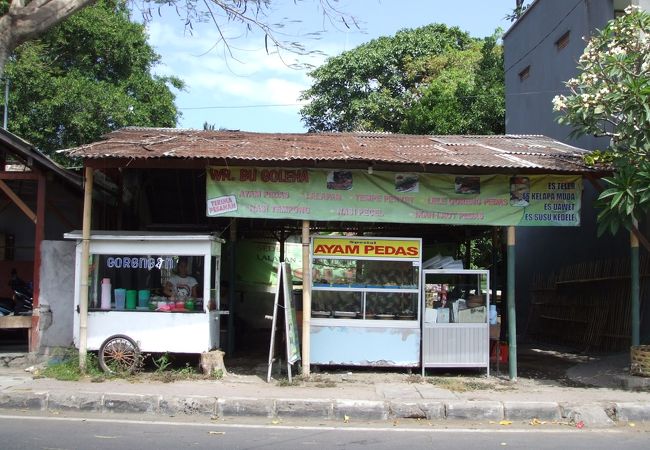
x=120 y=298
x=106 y=294
x=131 y=298
x=143 y=298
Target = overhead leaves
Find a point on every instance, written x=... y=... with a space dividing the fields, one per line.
x=431 y=79
x=89 y=75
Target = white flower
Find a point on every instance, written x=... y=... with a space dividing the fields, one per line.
x=559 y=102
x=617 y=51
x=632 y=8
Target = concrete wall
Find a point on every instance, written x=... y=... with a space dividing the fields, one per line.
x=57 y=294
x=531 y=42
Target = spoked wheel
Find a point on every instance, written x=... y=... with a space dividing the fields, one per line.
x=119 y=354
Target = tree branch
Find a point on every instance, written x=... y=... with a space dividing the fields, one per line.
x=28 y=22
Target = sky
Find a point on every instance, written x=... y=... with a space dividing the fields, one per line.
x=247 y=89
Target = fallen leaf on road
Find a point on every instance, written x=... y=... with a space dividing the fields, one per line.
x=346 y=419
x=536 y=421
x=505 y=422
x=503 y=444
x=218 y=433
x=632 y=424
x=275 y=422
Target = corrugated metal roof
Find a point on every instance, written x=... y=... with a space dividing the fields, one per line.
x=30 y=155
x=487 y=152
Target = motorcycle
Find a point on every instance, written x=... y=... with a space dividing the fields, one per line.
x=22 y=301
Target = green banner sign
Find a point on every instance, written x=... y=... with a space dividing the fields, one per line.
x=401 y=197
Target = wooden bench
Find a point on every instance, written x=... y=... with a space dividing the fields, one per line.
x=13 y=322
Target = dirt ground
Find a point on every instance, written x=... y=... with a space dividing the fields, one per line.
x=536 y=362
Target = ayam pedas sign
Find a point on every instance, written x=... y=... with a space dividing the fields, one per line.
x=368 y=248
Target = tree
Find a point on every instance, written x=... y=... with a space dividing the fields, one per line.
x=423 y=80
x=519 y=10
x=87 y=76
x=611 y=97
x=466 y=96
x=24 y=20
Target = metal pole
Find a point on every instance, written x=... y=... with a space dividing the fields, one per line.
x=306 y=299
x=634 y=277
x=512 y=316
x=6 y=115
x=85 y=255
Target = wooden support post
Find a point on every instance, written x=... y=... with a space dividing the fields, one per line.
x=85 y=255
x=230 y=348
x=634 y=288
x=512 y=316
x=306 y=300
x=39 y=235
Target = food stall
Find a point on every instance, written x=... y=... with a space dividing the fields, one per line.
x=365 y=301
x=455 y=326
x=129 y=308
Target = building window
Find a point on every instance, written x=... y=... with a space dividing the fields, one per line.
x=563 y=41
x=524 y=73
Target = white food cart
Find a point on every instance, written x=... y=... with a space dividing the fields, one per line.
x=132 y=268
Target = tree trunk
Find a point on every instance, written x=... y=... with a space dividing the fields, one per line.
x=24 y=22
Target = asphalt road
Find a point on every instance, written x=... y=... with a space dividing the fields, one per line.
x=25 y=430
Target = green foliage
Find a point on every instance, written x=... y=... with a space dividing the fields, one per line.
x=67 y=369
x=162 y=362
x=464 y=93
x=421 y=80
x=611 y=97
x=627 y=195
x=89 y=75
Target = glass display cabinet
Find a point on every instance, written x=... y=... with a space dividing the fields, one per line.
x=365 y=301
x=455 y=325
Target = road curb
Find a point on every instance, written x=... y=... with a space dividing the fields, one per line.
x=518 y=410
x=591 y=414
x=474 y=410
x=311 y=408
x=77 y=402
x=628 y=411
x=23 y=400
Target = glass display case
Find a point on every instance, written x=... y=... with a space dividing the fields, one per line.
x=162 y=283
x=455 y=325
x=364 y=289
x=361 y=286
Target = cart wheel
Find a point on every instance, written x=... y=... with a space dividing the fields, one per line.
x=119 y=354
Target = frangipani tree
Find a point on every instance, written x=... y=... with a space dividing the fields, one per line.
x=611 y=97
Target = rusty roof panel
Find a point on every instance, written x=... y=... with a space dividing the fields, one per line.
x=492 y=152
